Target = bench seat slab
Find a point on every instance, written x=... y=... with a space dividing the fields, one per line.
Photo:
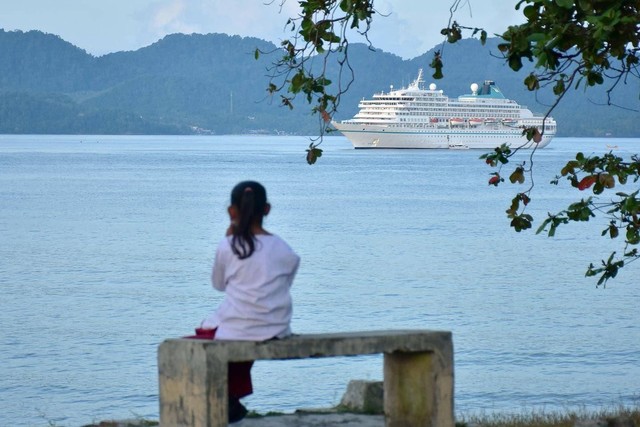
x=418 y=373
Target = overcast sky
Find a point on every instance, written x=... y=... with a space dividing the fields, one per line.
x=102 y=26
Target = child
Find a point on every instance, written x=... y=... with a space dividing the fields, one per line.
x=255 y=269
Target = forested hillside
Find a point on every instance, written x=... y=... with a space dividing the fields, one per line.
x=186 y=84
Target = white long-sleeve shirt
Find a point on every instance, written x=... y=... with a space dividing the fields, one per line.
x=257 y=304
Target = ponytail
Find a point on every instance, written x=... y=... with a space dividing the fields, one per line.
x=250 y=198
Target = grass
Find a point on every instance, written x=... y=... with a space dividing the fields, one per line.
x=608 y=417
x=616 y=417
x=131 y=423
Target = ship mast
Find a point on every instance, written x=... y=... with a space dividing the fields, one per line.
x=417 y=83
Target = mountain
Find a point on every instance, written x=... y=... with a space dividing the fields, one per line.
x=185 y=84
x=580 y=113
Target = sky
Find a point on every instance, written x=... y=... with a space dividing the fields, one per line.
x=407 y=28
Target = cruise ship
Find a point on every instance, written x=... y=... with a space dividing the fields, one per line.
x=415 y=117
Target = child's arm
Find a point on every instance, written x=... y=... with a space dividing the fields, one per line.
x=217 y=274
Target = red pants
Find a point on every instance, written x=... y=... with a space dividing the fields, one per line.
x=239 y=376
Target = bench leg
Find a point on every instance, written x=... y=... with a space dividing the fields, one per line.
x=418 y=389
x=193 y=386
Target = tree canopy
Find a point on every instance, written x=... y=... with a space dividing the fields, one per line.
x=571 y=44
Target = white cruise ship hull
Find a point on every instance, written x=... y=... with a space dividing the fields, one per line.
x=372 y=136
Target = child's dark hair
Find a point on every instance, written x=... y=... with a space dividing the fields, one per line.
x=250 y=198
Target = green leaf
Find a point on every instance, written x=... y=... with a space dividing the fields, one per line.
x=436 y=64
x=515 y=63
x=483 y=37
x=580 y=211
x=565 y=4
x=517 y=176
x=632 y=235
x=345 y=5
x=454 y=33
x=521 y=222
x=558 y=88
x=504 y=47
x=531 y=12
x=513 y=210
x=594 y=78
x=544 y=225
x=536 y=37
x=569 y=168
x=532 y=82
x=313 y=154
x=297 y=81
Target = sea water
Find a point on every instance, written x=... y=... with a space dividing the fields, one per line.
x=107 y=245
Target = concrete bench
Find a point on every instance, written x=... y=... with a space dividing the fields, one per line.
x=418 y=373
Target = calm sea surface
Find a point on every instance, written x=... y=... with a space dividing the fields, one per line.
x=106 y=245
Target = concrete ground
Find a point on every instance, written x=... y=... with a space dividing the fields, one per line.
x=301 y=419
x=314 y=420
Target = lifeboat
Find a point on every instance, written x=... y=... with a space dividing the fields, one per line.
x=474 y=121
x=456 y=121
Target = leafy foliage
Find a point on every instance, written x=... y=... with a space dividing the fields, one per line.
x=572 y=45
x=595 y=173
x=600 y=173
x=579 y=45
x=321 y=28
